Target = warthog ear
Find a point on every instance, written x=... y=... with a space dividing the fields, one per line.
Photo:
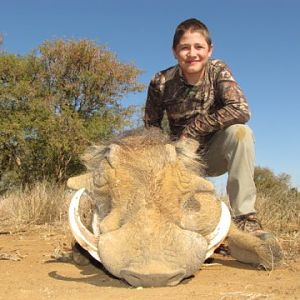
x=188 y=145
x=112 y=155
x=81 y=181
x=187 y=149
x=187 y=153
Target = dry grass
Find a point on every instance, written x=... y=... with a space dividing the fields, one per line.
x=42 y=204
x=280 y=215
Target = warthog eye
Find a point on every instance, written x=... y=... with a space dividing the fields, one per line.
x=192 y=205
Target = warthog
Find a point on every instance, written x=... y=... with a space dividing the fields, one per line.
x=156 y=219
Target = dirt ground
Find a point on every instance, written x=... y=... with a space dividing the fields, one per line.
x=32 y=267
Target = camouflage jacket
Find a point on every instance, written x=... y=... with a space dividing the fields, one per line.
x=196 y=111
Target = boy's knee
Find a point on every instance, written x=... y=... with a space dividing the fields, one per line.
x=240 y=133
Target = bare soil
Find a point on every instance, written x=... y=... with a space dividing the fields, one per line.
x=34 y=264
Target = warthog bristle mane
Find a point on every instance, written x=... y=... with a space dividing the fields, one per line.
x=143 y=138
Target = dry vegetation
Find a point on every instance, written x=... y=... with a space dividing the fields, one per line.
x=280 y=215
x=47 y=203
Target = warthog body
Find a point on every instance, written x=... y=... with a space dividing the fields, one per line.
x=156 y=219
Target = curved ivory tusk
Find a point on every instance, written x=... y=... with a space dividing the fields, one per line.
x=219 y=234
x=83 y=236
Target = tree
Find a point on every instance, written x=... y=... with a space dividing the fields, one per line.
x=56 y=101
x=267 y=182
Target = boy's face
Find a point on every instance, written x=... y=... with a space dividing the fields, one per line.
x=192 y=54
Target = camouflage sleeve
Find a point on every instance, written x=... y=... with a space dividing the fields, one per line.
x=234 y=107
x=154 y=109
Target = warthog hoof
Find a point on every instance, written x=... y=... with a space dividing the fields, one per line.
x=79 y=255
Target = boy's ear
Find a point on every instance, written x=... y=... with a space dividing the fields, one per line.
x=211 y=50
x=174 y=53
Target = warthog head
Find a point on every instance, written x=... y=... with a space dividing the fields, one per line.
x=156 y=219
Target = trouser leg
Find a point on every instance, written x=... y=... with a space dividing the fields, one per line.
x=232 y=150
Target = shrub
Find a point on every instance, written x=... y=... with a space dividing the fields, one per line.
x=278 y=206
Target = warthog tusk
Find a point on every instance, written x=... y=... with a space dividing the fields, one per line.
x=219 y=234
x=83 y=236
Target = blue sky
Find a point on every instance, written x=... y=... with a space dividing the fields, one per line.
x=258 y=39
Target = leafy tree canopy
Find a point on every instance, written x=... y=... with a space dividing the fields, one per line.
x=54 y=102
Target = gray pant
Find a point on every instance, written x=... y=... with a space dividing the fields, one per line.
x=232 y=150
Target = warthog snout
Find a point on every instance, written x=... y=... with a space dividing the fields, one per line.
x=150 y=279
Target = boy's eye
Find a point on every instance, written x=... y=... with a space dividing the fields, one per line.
x=184 y=48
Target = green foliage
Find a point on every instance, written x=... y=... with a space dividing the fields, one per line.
x=55 y=102
x=84 y=76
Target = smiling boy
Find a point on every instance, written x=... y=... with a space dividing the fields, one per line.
x=204 y=102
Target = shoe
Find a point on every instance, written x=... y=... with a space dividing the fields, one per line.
x=251 y=224
x=248 y=223
x=223 y=250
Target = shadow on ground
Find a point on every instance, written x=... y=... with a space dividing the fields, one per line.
x=95 y=274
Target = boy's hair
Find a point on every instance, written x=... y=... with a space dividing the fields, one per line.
x=191 y=25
